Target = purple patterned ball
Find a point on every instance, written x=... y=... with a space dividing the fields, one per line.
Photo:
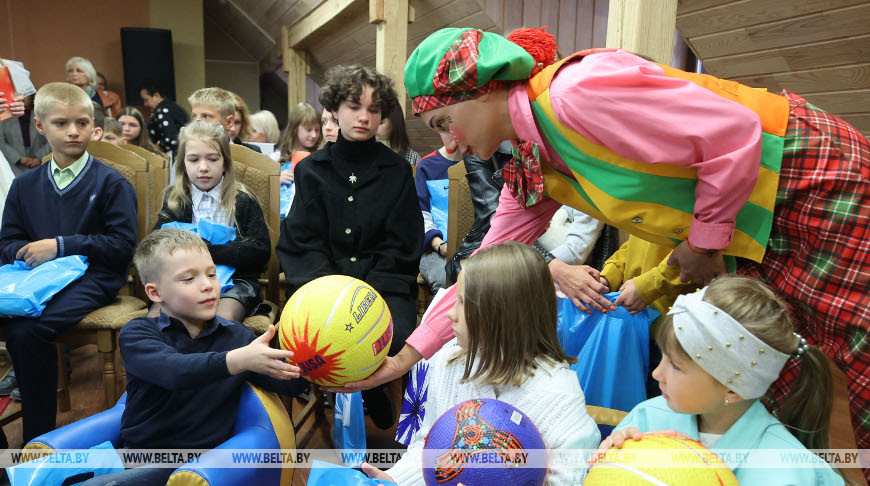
x=484 y=442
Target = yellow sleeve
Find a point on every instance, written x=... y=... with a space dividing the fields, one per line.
x=614 y=267
x=662 y=280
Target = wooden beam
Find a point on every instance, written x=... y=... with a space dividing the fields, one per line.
x=391 y=51
x=297 y=62
x=316 y=20
x=643 y=27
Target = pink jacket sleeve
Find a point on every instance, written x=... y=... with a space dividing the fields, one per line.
x=510 y=222
x=627 y=104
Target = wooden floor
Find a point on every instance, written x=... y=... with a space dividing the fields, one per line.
x=87 y=399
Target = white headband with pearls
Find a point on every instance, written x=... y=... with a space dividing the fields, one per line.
x=724 y=348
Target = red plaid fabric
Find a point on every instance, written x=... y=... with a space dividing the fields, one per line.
x=523 y=176
x=818 y=256
x=456 y=76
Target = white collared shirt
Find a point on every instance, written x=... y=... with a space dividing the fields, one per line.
x=206 y=204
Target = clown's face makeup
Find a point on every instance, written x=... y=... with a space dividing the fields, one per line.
x=473 y=127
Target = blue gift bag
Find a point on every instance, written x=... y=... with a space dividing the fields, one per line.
x=349 y=428
x=24 y=291
x=612 y=352
x=326 y=474
x=216 y=234
x=288 y=192
x=438 y=203
x=414 y=403
x=55 y=469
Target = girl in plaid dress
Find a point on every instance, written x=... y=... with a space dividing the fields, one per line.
x=726 y=175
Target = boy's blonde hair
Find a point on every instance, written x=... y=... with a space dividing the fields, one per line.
x=218 y=98
x=214 y=135
x=61 y=93
x=240 y=106
x=510 y=311
x=301 y=114
x=807 y=412
x=265 y=122
x=85 y=66
x=158 y=245
x=110 y=125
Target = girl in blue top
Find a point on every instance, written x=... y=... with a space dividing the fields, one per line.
x=722 y=348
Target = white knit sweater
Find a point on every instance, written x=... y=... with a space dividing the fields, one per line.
x=552 y=399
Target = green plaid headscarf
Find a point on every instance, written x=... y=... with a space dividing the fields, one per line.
x=455 y=65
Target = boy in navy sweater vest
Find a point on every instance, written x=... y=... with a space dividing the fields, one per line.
x=73 y=205
x=186 y=368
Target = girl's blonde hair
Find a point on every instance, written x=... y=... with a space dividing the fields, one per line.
x=244 y=117
x=85 y=66
x=807 y=412
x=143 y=140
x=510 y=311
x=214 y=135
x=301 y=114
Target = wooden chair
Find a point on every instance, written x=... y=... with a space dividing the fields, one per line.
x=605 y=416
x=261 y=175
x=101 y=326
x=460 y=208
x=157 y=166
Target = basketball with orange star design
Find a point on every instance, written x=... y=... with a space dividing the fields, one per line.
x=339 y=329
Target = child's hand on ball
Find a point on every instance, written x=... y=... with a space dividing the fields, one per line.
x=259 y=357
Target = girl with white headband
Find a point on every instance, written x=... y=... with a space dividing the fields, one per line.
x=722 y=348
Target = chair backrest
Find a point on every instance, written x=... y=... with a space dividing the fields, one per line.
x=261 y=175
x=156 y=179
x=460 y=209
x=605 y=416
x=133 y=167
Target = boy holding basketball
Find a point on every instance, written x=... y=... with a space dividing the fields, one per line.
x=186 y=368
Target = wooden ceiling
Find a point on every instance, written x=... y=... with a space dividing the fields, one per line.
x=819 y=49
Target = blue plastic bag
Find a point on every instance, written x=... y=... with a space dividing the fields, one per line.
x=326 y=474
x=349 y=428
x=288 y=192
x=438 y=203
x=216 y=234
x=612 y=352
x=24 y=291
x=55 y=469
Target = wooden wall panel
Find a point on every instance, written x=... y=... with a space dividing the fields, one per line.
x=843 y=22
x=819 y=49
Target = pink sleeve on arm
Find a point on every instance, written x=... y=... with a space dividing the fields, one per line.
x=510 y=222
x=627 y=104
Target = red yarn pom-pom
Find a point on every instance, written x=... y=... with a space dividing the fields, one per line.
x=540 y=44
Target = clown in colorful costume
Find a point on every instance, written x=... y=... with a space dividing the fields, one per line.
x=682 y=160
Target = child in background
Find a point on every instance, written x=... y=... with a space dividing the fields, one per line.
x=99 y=122
x=206 y=188
x=393 y=133
x=328 y=127
x=132 y=129
x=241 y=129
x=112 y=132
x=301 y=135
x=355 y=212
x=216 y=105
x=73 y=205
x=186 y=367
x=167 y=118
x=433 y=167
x=722 y=348
x=504 y=319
